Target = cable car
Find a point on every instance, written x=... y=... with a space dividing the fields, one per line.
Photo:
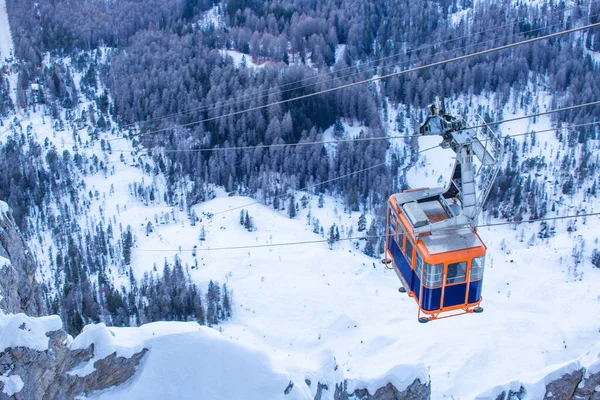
x=432 y=242
x=443 y=272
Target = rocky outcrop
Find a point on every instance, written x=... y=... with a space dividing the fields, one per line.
x=564 y=387
x=588 y=388
x=570 y=386
x=45 y=374
x=19 y=291
x=415 y=391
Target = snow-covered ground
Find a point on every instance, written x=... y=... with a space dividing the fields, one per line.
x=311 y=311
x=188 y=361
x=185 y=361
x=301 y=302
x=535 y=382
x=311 y=308
x=351 y=130
x=6 y=44
x=240 y=58
x=7 y=49
x=212 y=18
x=340 y=51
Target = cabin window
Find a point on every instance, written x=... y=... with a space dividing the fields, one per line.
x=419 y=267
x=457 y=272
x=433 y=275
x=409 y=251
x=477 y=268
x=399 y=234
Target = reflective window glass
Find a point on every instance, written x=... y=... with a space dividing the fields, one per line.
x=457 y=272
x=433 y=275
x=409 y=251
x=477 y=268
x=419 y=267
x=399 y=234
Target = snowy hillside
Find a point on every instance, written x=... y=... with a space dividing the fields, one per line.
x=6 y=45
x=305 y=301
x=112 y=223
x=309 y=305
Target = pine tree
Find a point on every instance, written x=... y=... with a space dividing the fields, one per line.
x=371 y=245
x=362 y=222
x=321 y=201
x=596 y=258
x=248 y=224
x=316 y=226
x=226 y=303
x=333 y=236
x=213 y=300
x=338 y=128
x=304 y=201
x=276 y=200
x=292 y=207
x=127 y=244
x=149 y=228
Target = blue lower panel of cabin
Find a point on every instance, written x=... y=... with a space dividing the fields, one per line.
x=455 y=295
x=416 y=285
x=431 y=299
x=475 y=291
x=401 y=264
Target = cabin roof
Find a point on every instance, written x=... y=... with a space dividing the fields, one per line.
x=442 y=242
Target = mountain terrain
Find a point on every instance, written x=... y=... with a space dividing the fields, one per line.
x=255 y=272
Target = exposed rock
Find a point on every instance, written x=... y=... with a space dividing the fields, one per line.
x=415 y=391
x=564 y=387
x=19 y=291
x=45 y=373
x=320 y=388
x=570 y=386
x=587 y=389
x=512 y=395
x=289 y=388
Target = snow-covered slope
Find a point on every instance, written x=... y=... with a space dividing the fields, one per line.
x=242 y=60
x=535 y=383
x=183 y=360
x=321 y=312
x=6 y=44
x=199 y=363
x=309 y=306
x=300 y=302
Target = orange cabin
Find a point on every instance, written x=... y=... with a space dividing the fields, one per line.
x=442 y=271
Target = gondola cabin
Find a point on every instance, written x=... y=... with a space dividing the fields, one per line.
x=442 y=270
